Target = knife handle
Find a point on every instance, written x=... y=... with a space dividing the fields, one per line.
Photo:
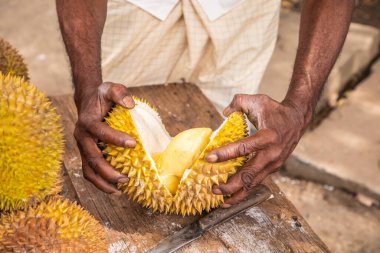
x=219 y=215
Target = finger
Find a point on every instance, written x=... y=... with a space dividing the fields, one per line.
x=236 y=198
x=240 y=148
x=233 y=184
x=105 y=133
x=95 y=160
x=105 y=170
x=244 y=177
x=243 y=193
x=119 y=94
x=96 y=180
x=238 y=103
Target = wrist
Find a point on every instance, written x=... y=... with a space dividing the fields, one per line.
x=84 y=90
x=83 y=96
x=303 y=93
x=86 y=80
x=302 y=106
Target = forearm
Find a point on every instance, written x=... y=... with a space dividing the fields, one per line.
x=323 y=29
x=81 y=24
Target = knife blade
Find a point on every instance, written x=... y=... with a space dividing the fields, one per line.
x=196 y=229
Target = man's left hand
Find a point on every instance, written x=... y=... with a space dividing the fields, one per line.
x=279 y=125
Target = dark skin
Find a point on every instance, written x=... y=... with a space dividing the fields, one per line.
x=280 y=125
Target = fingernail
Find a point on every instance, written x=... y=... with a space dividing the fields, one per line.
x=128 y=102
x=211 y=158
x=130 y=143
x=123 y=180
x=225 y=111
x=225 y=205
x=217 y=191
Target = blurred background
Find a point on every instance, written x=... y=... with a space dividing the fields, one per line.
x=333 y=176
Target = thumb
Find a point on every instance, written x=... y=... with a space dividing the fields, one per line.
x=240 y=102
x=119 y=94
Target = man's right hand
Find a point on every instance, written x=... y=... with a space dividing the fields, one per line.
x=92 y=107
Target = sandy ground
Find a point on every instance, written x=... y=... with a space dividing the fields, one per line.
x=336 y=216
x=344 y=224
x=32 y=27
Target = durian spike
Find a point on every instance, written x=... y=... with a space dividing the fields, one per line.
x=55 y=225
x=150 y=166
x=30 y=155
x=11 y=62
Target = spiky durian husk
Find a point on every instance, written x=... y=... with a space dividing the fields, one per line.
x=144 y=185
x=55 y=225
x=11 y=62
x=31 y=144
x=194 y=193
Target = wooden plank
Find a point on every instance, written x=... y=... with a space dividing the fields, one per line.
x=274 y=226
x=68 y=190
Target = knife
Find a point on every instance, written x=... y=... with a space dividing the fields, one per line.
x=196 y=229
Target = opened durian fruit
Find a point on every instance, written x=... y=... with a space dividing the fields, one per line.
x=170 y=174
x=54 y=225
x=31 y=144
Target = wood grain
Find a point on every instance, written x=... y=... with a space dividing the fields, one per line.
x=274 y=226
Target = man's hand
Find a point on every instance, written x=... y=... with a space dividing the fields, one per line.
x=323 y=29
x=92 y=108
x=279 y=125
x=81 y=24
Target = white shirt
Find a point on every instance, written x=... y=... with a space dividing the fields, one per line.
x=223 y=57
x=162 y=8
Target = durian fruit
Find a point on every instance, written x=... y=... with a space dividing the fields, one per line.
x=170 y=174
x=55 y=225
x=31 y=144
x=186 y=147
x=11 y=62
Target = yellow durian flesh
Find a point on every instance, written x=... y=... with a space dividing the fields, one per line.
x=180 y=154
x=194 y=194
x=142 y=164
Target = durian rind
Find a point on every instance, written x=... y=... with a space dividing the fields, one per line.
x=194 y=193
x=11 y=62
x=144 y=185
x=31 y=144
x=55 y=225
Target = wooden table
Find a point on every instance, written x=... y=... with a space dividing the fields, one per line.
x=274 y=226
